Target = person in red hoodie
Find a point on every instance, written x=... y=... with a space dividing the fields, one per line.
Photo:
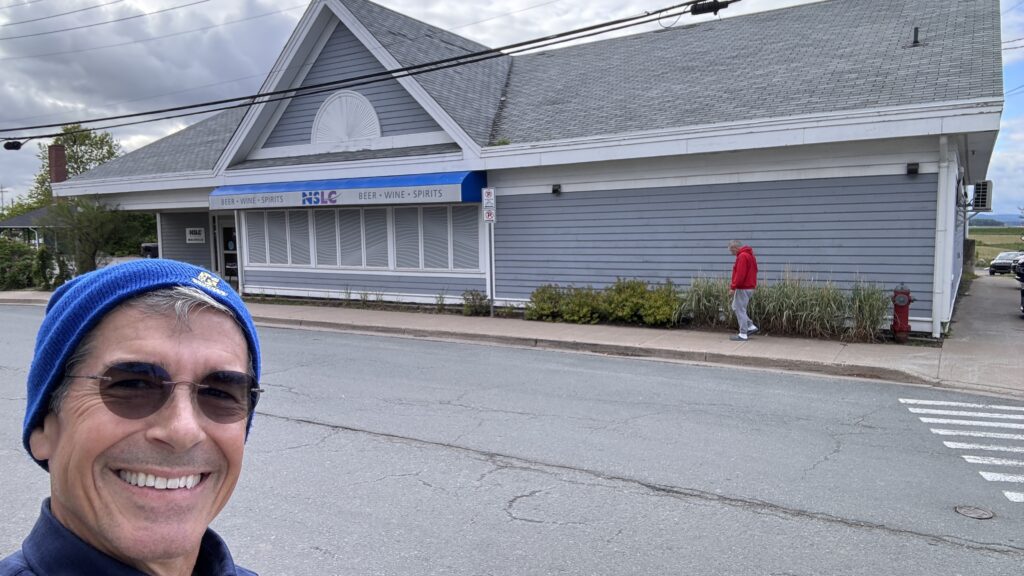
x=744 y=280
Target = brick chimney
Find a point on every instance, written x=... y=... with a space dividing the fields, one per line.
x=58 y=163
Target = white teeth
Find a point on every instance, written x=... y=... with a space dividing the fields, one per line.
x=158 y=482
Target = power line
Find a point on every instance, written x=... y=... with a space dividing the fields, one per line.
x=61 y=14
x=19 y=4
x=1015 y=6
x=489 y=53
x=264 y=74
x=103 y=23
x=287 y=94
x=171 y=35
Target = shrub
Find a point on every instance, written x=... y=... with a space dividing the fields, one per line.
x=16 y=263
x=624 y=301
x=661 y=304
x=869 y=305
x=475 y=303
x=581 y=305
x=545 y=303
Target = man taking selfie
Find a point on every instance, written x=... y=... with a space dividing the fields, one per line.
x=141 y=394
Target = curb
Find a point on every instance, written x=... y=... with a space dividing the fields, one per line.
x=31 y=301
x=845 y=370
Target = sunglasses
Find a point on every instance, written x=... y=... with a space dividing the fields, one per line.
x=136 y=390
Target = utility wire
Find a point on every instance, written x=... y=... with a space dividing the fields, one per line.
x=289 y=93
x=103 y=23
x=171 y=35
x=59 y=15
x=259 y=99
x=19 y=4
x=234 y=80
x=1015 y=6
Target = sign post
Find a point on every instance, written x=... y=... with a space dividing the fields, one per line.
x=490 y=214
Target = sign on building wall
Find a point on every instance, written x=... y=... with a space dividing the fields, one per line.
x=446 y=193
x=195 y=235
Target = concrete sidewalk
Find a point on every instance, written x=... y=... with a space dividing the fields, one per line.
x=975 y=358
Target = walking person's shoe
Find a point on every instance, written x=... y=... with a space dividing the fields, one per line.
x=738 y=338
x=752 y=330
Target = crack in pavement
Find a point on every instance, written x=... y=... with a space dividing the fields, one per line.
x=515 y=499
x=748 y=504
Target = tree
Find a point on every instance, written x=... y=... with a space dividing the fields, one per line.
x=85 y=150
x=86 y=228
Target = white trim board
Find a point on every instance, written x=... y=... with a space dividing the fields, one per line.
x=381 y=143
x=841 y=160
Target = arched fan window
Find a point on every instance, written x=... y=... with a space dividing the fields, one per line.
x=345 y=116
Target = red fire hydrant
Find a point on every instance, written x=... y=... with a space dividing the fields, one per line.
x=901 y=300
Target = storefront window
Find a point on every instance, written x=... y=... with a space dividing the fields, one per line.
x=404 y=238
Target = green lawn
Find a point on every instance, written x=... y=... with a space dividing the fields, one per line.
x=992 y=241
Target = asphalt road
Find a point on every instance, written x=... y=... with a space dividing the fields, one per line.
x=390 y=456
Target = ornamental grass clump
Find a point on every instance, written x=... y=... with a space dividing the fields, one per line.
x=707 y=303
x=869 y=305
x=798 y=307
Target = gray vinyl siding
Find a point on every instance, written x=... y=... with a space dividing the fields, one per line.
x=357 y=284
x=878 y=229
x=345 y=57
x=172 y=237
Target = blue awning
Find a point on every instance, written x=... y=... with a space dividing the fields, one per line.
x=438 y=187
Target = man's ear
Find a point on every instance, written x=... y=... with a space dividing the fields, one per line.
x=43 y=440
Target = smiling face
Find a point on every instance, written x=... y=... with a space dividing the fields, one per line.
x=96 y=458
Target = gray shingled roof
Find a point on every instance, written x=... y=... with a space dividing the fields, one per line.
x=825 y=57
x=194 y=149
x=470 y=94
x=348 y=156
x=31 y=219
x=830 y=56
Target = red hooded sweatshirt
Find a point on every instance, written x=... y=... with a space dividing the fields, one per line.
x=744 y=271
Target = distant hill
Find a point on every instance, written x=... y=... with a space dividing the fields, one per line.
x=1008 y=218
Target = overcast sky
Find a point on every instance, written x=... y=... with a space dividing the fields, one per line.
x=223 y=48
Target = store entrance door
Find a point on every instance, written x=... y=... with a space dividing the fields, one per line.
x=227 y=250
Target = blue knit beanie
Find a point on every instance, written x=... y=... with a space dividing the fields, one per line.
x=79 y=305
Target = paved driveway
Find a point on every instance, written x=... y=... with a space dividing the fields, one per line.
x=986 y=324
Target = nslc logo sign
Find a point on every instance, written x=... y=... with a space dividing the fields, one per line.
x=318 y=197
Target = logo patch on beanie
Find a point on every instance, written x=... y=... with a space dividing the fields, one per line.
x=210 y=282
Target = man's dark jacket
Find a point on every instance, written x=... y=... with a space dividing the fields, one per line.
x=53 y=550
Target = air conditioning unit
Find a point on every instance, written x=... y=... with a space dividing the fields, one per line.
x=982 y=196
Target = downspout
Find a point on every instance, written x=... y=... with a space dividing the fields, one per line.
x=939 y=275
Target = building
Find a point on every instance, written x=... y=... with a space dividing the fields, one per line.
x=838 y=138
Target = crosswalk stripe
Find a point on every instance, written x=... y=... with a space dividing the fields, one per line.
x=962 y=446
x=1014 y=496
x=1000 y=477
x=973 y=423
x=977 y=434
x=966 y=414
x=993 y=461
x=961 y=404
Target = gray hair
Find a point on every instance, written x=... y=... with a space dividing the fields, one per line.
x=182 y=300
x=735 y=244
